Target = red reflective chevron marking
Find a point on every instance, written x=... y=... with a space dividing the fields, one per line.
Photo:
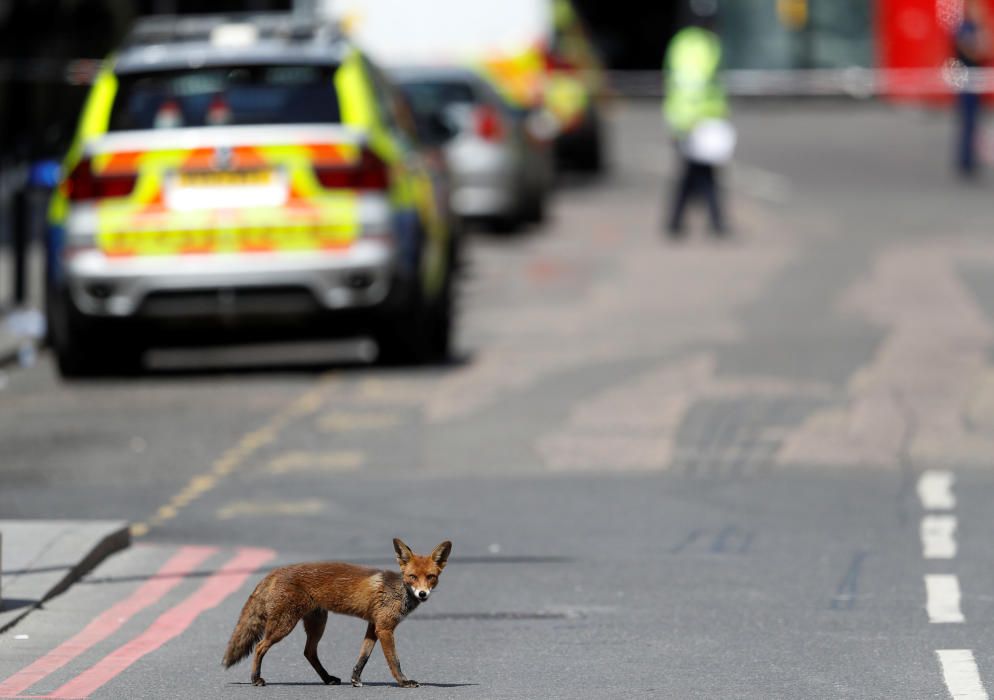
x=228 y=579
x=170 y=575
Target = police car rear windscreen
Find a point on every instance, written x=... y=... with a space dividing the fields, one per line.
x=226 y=96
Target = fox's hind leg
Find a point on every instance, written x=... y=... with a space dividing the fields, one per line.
x=314 y=626
x=277 y=627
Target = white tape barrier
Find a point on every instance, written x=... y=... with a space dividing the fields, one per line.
x=847 y=82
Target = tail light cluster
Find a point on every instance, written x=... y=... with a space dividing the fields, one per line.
x=489 y=123
x=555 y=61
x=370 y=173
x=85 y=185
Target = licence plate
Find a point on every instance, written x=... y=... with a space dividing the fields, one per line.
x=223 y=189
x=241 y=178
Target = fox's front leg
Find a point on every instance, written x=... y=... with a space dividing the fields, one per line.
x=386 y=641
x=367 y=648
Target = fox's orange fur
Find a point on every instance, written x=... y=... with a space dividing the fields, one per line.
x=310 y=591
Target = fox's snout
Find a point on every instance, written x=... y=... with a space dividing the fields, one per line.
x=422 y=593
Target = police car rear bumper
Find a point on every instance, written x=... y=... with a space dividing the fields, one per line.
x=173 y=287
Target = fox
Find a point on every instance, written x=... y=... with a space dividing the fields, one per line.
x=383 y=598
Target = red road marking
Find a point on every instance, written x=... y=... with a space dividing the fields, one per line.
x=170 y=575
x=228 y=579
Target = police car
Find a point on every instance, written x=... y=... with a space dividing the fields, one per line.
x=239 y=179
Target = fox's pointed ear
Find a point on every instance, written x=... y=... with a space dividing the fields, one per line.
x=404 y=552
x=441 y=554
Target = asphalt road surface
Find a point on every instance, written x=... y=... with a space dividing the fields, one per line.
x=755 y=467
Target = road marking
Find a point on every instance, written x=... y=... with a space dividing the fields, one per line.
x=960 y=672
x=165 y=579
x=938 y=536
x=845 y=594
x=943 y=597
x=241 y=509
x=340 y=461
x=344 y=421
x=935 y=489
x=392 y=392
x=235 y=457
x=227 y=580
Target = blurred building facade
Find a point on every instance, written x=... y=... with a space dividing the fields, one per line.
x=784 y=34
x=41 y=42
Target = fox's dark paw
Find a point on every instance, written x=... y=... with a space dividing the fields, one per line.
x=410 y=684
x=260 y=681
x=332 y=680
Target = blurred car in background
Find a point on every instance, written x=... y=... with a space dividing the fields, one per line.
x=500 y=165
x=536 y=52
x=243 y=180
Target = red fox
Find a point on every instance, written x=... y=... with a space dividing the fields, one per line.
x=310 y=591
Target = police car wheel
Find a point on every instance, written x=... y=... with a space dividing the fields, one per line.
x=404 y=337
x=83 y=348
x=422 y=333
x=443 y=319
x=534 y=209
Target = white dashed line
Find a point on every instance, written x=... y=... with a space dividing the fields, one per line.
x=935 y=489
x=943 y=596
x=939 y=536
x=960 y=672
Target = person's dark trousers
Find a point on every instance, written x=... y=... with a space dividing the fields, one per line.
x=698 y=180
x=969 y=116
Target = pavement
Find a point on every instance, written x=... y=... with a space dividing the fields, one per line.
x=42 y=558
x=21 y=333
x=21 y=325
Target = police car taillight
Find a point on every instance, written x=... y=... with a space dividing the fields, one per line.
x=370 y=173
x=84 y=185
x=489 y=124
x=554 y=61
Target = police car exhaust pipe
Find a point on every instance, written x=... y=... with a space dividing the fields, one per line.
x=359 y=280
x=100 y=290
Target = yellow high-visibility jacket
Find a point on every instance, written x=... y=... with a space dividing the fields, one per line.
x=693 y=89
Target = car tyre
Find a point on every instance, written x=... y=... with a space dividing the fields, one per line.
x=534 y=210
x=423 y=332
x=590 y=154
x=82 y=349
x=405 y=337
x=442 y=316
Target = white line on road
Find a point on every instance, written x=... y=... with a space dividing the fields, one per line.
x=943 y=596
x=935 y=489
x=962 y=677
x=939 y=536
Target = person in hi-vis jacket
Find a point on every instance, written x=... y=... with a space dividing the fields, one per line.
x=693 y=95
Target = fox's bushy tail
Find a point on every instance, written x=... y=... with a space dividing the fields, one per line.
x=248 y=631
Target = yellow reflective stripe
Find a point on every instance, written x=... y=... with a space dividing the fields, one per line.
x=287 y=238
x=95 y=116
x=96 y=113
x=127 y=227
x=92 y=123
x=355 y=100
x=357 y=105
